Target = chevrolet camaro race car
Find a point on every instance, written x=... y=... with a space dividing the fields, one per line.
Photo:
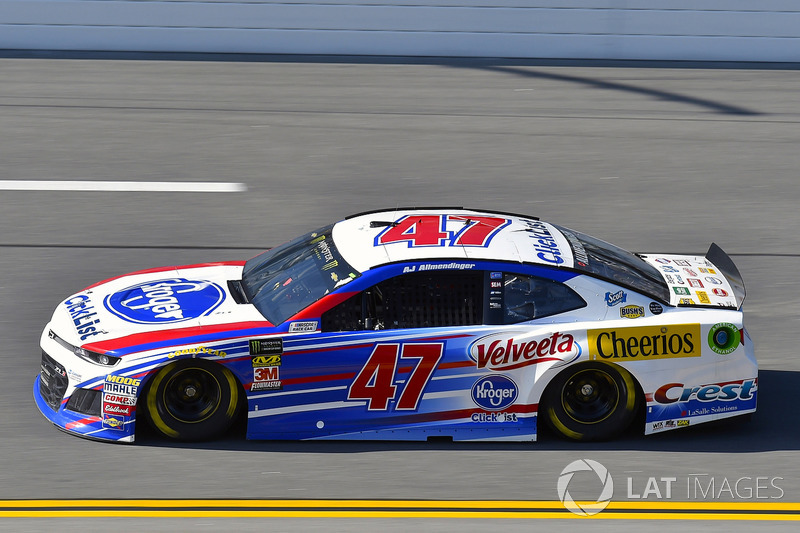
x=406 y=324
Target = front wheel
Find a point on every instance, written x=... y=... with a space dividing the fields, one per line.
x=192 y=400
x=591 y=401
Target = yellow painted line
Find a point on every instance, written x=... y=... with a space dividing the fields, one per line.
x=393 y=514
x=449 y=504
x=491 y=509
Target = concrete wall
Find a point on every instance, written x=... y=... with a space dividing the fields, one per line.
x=712 y=30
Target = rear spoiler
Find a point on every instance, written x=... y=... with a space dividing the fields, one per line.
x=724 y=264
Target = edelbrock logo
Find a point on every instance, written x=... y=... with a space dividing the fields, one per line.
x=494 y=392
x=165 y=301
x=507 y=351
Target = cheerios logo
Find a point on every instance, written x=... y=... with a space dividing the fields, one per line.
x=585 y=508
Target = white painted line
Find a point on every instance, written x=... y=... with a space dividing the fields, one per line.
x=120 y=186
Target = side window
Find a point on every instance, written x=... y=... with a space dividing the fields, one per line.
x=414 y=300
x=529 y=297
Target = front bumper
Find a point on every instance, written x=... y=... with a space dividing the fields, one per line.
x=53 y=389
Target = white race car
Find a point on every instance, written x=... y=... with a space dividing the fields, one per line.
x=406 y=324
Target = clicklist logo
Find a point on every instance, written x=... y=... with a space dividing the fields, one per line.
x=596 y=487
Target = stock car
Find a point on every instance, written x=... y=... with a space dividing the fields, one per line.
x=406 y=324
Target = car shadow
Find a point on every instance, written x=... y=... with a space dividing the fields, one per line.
x=773 y=427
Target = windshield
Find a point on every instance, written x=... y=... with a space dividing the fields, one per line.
x=615 y=264
x=285 y=280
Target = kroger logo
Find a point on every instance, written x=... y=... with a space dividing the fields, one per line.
x=165 y=301
x=494 y=392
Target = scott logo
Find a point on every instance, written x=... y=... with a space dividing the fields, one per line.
x=614 y=298
x=165 y=301
x=494 y=392
x=726 y=392
x=501 y=351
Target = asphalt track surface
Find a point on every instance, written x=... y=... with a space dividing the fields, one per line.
x=653 y=159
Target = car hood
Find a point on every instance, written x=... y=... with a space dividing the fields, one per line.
x=158 y=301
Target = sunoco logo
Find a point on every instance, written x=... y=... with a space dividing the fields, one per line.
x=501 y=351
x=588 y=472
x=165 y=301
x=494 y=392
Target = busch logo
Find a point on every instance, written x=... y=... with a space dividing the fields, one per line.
x=165 y=301
x=494 y=392
x=501 y=351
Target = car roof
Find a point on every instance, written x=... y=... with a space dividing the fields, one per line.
x=376 y=238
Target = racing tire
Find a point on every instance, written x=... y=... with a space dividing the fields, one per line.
x=591 y=401
x=192 y=400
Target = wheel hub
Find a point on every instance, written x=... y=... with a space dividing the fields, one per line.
x=590 y=396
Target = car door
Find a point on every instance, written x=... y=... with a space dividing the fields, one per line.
x=402 y=346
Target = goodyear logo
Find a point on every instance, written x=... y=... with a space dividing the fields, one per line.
x=197 y=350
x=644 y=343
x=266 y=360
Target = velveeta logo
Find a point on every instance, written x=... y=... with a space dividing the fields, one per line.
x=503 y=351
x=650 y=342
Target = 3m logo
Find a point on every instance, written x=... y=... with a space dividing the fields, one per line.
x=266 y=373
x=651 y=342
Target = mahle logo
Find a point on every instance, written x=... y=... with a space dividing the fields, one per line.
x=586 y=470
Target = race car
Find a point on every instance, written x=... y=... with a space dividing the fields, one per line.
x=406 y=324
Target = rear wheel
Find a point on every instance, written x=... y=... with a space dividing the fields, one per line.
x=591 y=401
x=192 y=400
